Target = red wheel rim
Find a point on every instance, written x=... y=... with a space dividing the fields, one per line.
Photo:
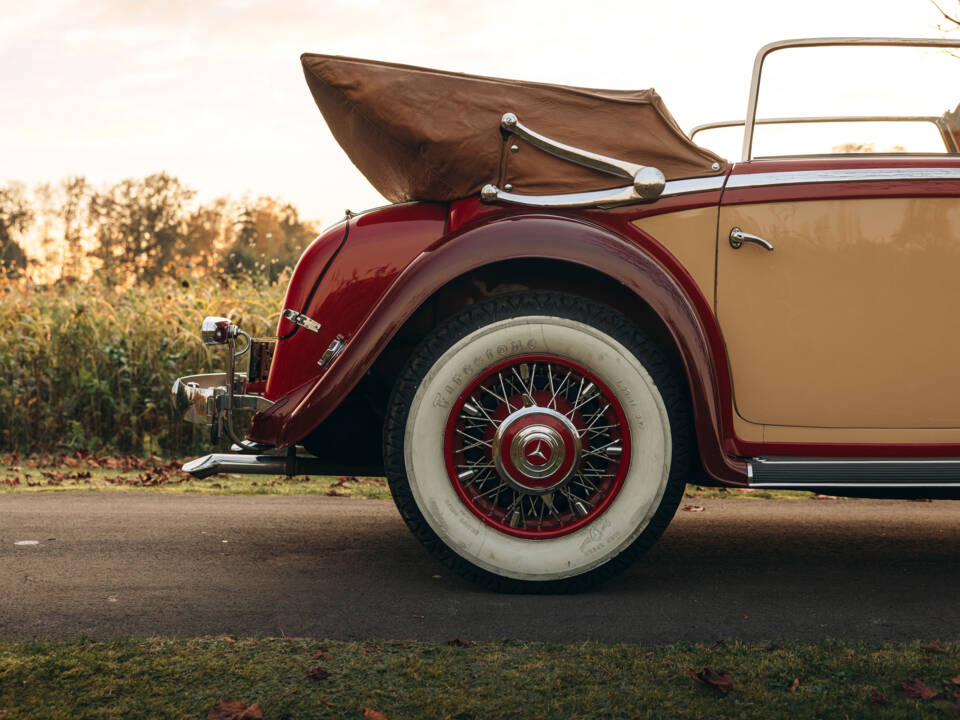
x=537 y=446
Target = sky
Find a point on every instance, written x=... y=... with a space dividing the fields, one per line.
x=212 y=91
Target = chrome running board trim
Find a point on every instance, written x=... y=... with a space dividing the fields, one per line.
x=805 y=473
x=841 y=175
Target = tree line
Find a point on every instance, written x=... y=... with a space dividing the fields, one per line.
x=141 y=228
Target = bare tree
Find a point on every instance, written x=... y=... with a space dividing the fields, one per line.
x=953 y=19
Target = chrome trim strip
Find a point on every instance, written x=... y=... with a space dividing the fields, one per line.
x=803 y=473
x=601 y=198
x=819 y=42
x=598 y=198
x=804 y=177
x=858 y=462
x=692 y=185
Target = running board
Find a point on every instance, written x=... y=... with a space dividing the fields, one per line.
x=806 y=473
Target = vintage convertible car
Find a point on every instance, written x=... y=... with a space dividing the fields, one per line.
x=571 y=310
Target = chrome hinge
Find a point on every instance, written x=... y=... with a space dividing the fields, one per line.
x=331 y=352
x=302 y=320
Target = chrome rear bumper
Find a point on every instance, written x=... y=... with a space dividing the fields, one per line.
x=202 y=398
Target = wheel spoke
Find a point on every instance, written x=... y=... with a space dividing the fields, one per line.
x=488 y=422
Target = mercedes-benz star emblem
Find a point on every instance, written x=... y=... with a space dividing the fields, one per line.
x=536 y=454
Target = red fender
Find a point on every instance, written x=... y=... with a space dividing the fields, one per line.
x=640 y=264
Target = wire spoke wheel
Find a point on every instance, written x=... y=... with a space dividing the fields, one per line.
x=537 y=446
x=537 y=442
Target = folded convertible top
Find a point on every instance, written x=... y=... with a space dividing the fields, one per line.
x=421 y=134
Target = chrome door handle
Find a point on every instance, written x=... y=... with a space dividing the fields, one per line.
x=738 y=237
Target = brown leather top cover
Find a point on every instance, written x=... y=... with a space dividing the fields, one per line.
x=421 y=134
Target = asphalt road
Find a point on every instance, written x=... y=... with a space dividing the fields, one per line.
x=107 y=564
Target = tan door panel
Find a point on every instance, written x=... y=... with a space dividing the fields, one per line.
x=852 y=320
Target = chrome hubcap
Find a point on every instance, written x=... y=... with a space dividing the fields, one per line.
x=536 y=450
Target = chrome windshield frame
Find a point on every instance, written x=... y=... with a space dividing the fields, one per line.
x=751 y=121
x=936 y=120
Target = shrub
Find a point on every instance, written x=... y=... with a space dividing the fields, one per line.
x=90 y=364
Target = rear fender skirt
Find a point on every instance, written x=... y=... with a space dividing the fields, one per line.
x=571 y=239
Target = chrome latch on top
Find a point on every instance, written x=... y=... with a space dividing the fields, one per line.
x=298 y=318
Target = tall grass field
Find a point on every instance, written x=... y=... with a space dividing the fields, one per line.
x=90 y=365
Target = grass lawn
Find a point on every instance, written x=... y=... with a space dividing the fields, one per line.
x=81 y=471
x=158 y=678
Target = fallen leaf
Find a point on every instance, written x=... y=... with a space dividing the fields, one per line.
x=722 y=681
x=318 y=673
x=694 y=508
x=955 y=680
x=796 y=684
x=934 y=647
x=877 y=699
x=457 y=642
x=229 y=638
x=235 y=710
x=321 y=654
x=369 y=714
x=917 y=689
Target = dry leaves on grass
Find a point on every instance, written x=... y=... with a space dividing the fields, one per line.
x=235 y=710
x=318 y=673
x=153 y=470
x=721 y=681
x=917 y=689
x=934 y=647
x=370 y=714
